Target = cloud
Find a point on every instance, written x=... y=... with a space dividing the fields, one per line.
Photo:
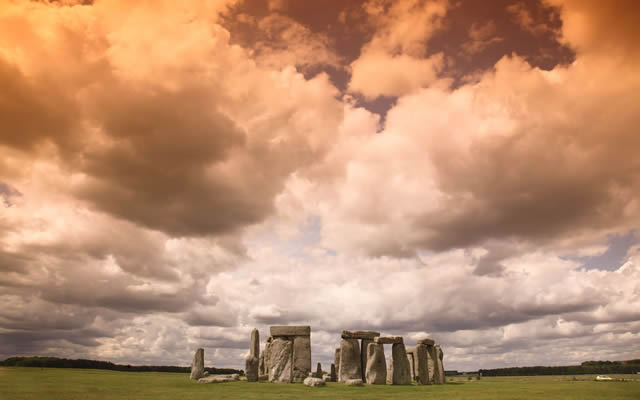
x=395 y=62
x=481 y=37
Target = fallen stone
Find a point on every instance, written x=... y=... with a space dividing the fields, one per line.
x=388 y=339
x=428 y=342
x=327 y=378
x=219 y=378
x=197 y=365
x=353 y=382
x=309 y=381
x=281 y=357
x=399 y=365
x=359 y=334
x=422 y=366
x=350 y=360
x=263 y=377
x=301 y=358
x=376 y=369
x=290 y=331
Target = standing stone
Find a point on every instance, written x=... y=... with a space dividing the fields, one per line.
x=411 y=357
x=422 y=367
x=363 y=357
x=301 y=358
x=267 y=348
x=319 y=371
x=280 y=359
x=440 y=367
x=261 y=369
x=197 y=365
x=350 y=367
x=399 y=365
x=332 y=374
x=376 y=369
x=252 y=362
x=431 y=363
x=336 y=361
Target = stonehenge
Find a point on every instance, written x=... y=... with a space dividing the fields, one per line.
x=360 y=359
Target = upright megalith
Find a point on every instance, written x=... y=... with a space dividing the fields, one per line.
x=336 y=361
x=399 y=365
x=411 y=357
x=364 y=356
x=301 y=358
x=319 y=371
x=376 y=368
x=197 y=365
x=252 y=361
x=439 y=376
x=350 y=367
x=332 y=374
x=422 y=365
x=261 y=369
x=281 y=359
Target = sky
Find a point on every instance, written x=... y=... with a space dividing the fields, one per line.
x=174 y=174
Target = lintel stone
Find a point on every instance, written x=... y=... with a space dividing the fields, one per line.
x=291 y=330
x=388 y=339
x=359 y=334
x=428 y=342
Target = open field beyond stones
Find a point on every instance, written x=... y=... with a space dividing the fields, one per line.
x=52 y=384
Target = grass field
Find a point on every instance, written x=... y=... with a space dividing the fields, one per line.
x=52 y=384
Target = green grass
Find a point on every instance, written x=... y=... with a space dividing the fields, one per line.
x=52 y=384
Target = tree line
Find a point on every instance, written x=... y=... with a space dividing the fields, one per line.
x=54 y=362
x=587 y=367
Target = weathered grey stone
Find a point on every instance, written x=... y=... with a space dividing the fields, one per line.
x=441 y=378
x=353 y=382
x=327 y=378
x=431 y=363
x=309 y=381
x=219 y=378
x=281 y=359
x=376 y=369
x=264 y=377
x=426 y=341
x=399 y=365
x=359 y=334
x=336 y=361
x=319 y=371
x=267 y=355
x=411 y=357
x=363 y=357
x=301 y=358
x=422 y=368
x=261 y=369
x=197 y=365
x=388 y=339
x=350 y=360
x=251 y=368
x=290 y=331
x=332 y=374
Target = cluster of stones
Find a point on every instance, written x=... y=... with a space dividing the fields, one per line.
x=360 y=359
x=425 y=360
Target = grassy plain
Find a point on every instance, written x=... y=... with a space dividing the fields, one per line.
x=76 y=384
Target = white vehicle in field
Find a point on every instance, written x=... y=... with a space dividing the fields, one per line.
x=603 y=378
